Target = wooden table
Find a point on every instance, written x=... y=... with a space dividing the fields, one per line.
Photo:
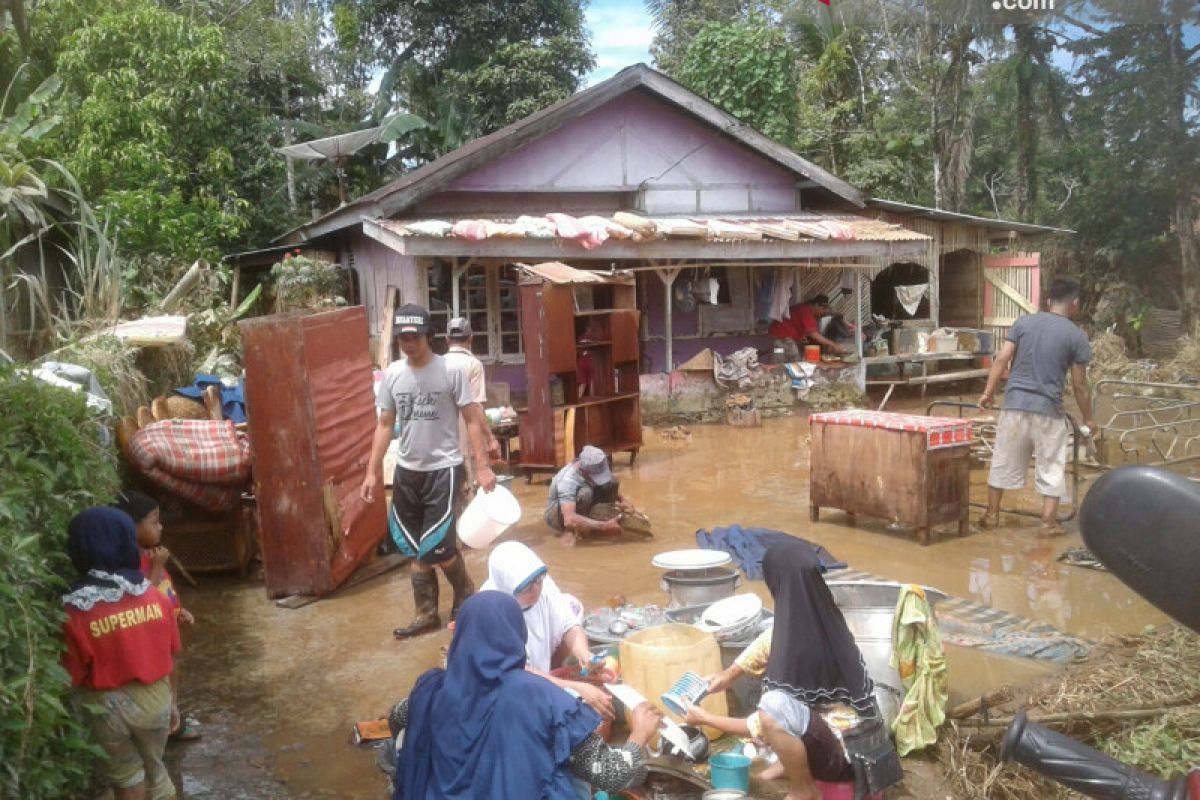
x=901 y=467
x=923 y=360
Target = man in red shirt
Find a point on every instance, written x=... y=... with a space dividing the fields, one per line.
x=802 y=327
x=121 y=638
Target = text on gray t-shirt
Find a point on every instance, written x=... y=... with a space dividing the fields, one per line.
x=426 y=401
x=1048 y=345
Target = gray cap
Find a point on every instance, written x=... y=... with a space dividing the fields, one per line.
x=594 y=464
x=459 y=328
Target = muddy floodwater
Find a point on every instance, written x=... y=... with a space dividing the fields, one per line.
x=277 y=690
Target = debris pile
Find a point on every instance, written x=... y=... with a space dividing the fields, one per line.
x=1136 y=698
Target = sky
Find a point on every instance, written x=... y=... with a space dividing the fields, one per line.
x=621 y=34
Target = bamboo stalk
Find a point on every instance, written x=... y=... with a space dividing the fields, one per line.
x=1141 y=712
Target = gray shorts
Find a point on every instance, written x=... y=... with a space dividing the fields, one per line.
x=1024 y=434
x=791 y=714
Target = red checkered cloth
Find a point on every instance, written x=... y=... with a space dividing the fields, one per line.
x=939 y=431
x=203 y=461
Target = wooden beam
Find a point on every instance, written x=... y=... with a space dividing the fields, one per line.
x=1013 y=294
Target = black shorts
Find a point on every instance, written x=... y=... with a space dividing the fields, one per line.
x=423 y=517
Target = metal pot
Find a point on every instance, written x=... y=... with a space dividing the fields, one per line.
x=697 y=745
x=695 y=587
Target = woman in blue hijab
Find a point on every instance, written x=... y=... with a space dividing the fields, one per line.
x=485 y=727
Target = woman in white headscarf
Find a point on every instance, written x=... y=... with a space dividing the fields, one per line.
x=553 y=618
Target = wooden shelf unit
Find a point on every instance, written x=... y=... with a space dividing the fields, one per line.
x=556 y=425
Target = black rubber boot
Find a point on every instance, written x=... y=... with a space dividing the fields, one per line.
x=460 y=581
x=425 y=598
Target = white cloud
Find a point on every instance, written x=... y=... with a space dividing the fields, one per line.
x=621 y=33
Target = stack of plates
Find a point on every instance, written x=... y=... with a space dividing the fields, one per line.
x=732 y=617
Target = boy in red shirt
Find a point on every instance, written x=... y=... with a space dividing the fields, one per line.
x=148 y=527
x=121 y=638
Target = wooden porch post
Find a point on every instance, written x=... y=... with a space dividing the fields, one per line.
x=668 y=277
x=858 y=313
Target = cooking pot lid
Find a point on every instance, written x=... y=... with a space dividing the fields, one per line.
x=691 y=559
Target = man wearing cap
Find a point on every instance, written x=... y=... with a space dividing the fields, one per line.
x=575 y=490
x=460 y=355
x=426 y=395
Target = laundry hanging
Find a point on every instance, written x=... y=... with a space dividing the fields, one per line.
x=910 y=297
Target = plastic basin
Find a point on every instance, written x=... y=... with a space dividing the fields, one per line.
x=487 y=516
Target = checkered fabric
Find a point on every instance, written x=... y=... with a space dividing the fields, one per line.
x=939 y=431
x=202 y=461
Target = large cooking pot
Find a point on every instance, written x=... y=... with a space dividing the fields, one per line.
x=869 y=608
x=695 y=587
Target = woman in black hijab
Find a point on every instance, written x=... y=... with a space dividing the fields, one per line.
x=814 y=664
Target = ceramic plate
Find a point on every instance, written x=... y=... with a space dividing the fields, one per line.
x=691 y=559
x=736 y=610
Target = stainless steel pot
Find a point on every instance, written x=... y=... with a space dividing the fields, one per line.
x=695 y=587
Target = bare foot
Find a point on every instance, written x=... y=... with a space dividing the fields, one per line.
x=771 y=773
x=567 y=539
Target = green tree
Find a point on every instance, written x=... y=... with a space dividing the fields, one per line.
x=677 y=22
x=749 y=69
x=469 y=65
x=147 y=134
x=1142 y=105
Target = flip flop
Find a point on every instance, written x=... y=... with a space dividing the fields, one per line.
x=188 y=731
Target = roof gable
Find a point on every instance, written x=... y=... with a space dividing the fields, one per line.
x=440 y=174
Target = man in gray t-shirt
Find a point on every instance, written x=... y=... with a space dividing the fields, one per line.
x=575 y=490
x=1041 y=348
x=423 y=395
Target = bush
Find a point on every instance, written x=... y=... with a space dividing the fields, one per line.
x=302 y=282
x=53 y=466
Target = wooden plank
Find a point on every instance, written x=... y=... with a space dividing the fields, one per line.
x=1012 y=293
x=377 y=567
x=999 y=322
x=1024 y=260
x=383 y=355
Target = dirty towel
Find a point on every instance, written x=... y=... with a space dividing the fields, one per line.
x=202 y=461
x=918 y=655
x=910 y=297
x=735 y=371
x=748 y=545
x=233 y=402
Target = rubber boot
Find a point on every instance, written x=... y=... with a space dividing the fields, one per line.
x=464 y=587
x=425 y=598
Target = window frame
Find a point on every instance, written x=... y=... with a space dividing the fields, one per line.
x=493 y=278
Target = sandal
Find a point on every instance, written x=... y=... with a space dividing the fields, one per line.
x=188 y=731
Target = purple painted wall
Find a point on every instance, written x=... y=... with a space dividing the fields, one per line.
x=635 y=143
x=683 y=324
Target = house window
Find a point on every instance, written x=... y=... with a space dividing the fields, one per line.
x=733 y=312
x=488 y=297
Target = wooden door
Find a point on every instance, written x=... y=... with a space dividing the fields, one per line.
x=1011 y=289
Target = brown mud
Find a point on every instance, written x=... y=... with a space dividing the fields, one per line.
x=277 y=690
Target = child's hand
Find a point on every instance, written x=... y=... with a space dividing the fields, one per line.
x=186 y=616
x=158 y=557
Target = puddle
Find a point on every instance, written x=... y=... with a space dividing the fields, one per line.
x=277 y=690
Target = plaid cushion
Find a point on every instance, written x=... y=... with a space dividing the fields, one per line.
x=204 y=461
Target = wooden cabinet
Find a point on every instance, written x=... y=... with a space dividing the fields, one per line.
x=312 y=415
x=580 y=334
x=903 y=468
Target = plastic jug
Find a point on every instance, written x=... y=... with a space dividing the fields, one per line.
x=812 y=353
x=652 y=660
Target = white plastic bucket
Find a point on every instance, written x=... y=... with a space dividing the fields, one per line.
x=487 y=516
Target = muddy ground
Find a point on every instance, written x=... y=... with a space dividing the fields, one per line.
x=277 y=690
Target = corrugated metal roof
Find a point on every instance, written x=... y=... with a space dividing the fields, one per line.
x=969 y=219
x=558 y=272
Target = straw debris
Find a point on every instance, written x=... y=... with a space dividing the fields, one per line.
x=1155 y=673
